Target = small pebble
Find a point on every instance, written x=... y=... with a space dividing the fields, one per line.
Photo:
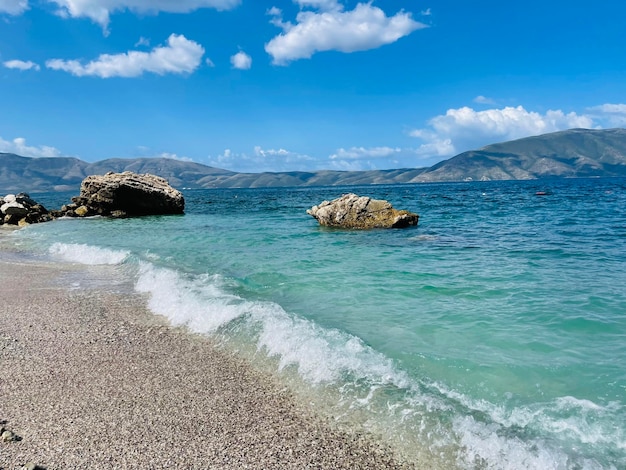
x=8 y=436
x=30 y=466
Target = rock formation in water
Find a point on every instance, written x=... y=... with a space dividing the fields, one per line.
x=22 y=210
x=352 y=211
x=124 y=195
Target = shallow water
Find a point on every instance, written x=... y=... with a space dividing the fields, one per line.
x=493 y=335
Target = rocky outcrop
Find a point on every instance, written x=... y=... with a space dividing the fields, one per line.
x=22 y=210
x=124 y=195
x=352 y=211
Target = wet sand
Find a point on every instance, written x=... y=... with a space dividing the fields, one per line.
x=91 y=379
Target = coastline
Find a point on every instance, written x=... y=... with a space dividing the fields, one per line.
x=90 y=378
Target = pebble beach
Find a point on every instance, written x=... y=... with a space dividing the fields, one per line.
x=91 y=379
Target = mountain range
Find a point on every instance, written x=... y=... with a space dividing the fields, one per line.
x=573 y=153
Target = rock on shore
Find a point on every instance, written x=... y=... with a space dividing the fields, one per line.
x=22 y=210
x=362 y=212
x=112 y=195
x=124 y=195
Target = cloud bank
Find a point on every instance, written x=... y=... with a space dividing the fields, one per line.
x=179 y=56
x=466 y=129
x=261 y=160
x=361 y=158
x=446 y=135
x=332 y=28
x=463 y=129
x=99 y=11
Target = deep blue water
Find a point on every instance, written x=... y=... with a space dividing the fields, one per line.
x=493 y=335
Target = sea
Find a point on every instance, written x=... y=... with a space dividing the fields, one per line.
x=490 y=336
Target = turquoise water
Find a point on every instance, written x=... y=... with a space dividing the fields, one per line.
x=493 y=335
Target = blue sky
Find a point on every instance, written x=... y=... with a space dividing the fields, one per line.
x=285 y=85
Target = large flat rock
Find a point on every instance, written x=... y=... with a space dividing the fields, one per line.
x=126 y=194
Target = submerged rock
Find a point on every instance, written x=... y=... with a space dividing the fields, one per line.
x=123 y=195
x=362 y=212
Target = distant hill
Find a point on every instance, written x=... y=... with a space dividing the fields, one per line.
x=572 y=153
x=575 y=153
x=65 y=174
x=58 y=174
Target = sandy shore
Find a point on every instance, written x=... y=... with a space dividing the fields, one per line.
x=91 y=379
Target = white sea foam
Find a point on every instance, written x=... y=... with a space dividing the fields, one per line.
x=87 y=254
x=495 y=448
x=198 y=303
x=497 y=440
x=484 y=444
x=322 y=356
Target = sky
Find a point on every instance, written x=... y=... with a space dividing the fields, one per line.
x=303 y=85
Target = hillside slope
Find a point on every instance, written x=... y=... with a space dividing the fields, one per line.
x=572 y=153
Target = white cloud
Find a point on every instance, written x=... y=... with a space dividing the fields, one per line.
x=382 y=158
x=332 y=28
x=180 y=55
x=100 y=10
x=259 y=151
x=142 y=42
x=173 y=156
x=280 y=159
x=434 y=148
x=613 y=114
x=361 y=158
x=480 y=99
x=262 y=160
x=21 y=65
x=18 y=146
x=325 y=5
x=277 y=18
x=359 y=153
x=610 y=108
x=241 y=61
x=145 y=151
x=466 y=129
x=13 y=7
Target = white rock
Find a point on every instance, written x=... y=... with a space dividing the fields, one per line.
x=11 y=208
x=9 y=198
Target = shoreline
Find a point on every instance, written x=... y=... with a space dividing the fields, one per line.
x=92 y=379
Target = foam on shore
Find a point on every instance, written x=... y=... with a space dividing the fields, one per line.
x=91 y=379
x=353 y=383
